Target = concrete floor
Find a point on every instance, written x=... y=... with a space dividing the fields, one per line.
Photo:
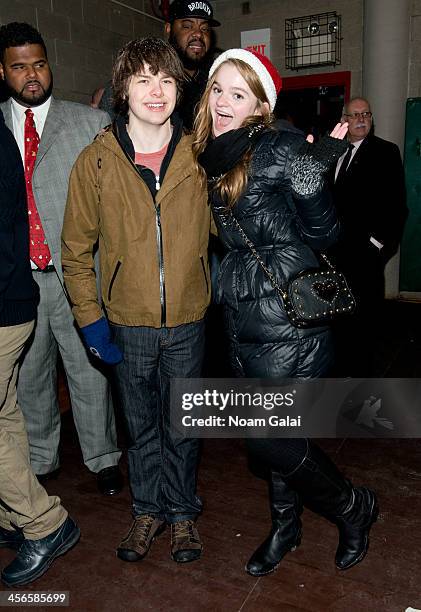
x=236 y=519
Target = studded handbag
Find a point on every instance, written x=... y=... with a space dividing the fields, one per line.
x=313 y=297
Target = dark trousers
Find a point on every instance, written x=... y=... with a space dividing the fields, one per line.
x=162 y=467
x=356 y=336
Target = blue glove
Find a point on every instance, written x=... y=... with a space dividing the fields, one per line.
x=97 y=338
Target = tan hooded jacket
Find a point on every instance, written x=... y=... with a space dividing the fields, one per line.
x=153 y=256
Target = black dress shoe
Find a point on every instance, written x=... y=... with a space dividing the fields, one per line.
x=35 y=556
x=110 y=480
x=11 y=538
x=42 y=478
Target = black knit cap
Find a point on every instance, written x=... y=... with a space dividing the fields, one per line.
x=200 y=9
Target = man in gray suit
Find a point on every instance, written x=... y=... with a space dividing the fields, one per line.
x=50 y=134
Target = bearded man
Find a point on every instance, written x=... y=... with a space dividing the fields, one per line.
x=190 y=32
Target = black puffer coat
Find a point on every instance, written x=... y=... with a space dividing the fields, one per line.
x=284 y=227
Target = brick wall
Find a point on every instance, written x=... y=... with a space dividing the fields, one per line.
x=82 y=37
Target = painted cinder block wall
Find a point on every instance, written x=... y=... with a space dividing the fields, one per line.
x=272 y=14
x=83 y=36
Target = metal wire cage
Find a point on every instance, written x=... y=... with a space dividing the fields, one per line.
x=313 y=40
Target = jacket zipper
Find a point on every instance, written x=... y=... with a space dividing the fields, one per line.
x=158 y=239
x=204 y=273
x=161 y=266
x=160 y=259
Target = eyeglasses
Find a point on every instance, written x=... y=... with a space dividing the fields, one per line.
x=363 y=115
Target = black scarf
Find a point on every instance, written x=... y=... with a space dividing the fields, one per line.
x=224 y=152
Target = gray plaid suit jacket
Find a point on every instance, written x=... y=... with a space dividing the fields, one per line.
x=68 y=129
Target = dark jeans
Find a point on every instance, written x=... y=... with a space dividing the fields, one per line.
x=162 y=468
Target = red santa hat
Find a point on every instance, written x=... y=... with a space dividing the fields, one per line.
x=262 y=66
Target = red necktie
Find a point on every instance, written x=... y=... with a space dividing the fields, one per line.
x=38 y=247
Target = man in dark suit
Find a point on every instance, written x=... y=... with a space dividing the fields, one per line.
x=369 y=192
x=50 y=134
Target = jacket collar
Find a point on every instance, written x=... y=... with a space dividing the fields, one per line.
x=52 y=128
x=120 y=132
x=125 y=145
x=53 y=125
x=7 y=113
x=180 y=164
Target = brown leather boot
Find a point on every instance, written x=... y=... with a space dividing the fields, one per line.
x=185 y=542
x=135 y=546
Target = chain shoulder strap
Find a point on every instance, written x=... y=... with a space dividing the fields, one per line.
x=269 y=274
x=256 y=255
x=327 y=260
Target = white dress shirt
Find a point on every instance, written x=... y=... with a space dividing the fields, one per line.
x=356 y=146
x=18 y=116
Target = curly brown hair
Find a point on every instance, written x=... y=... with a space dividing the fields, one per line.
x=154 y=52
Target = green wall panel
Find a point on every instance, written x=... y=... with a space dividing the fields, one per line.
x=410 y=260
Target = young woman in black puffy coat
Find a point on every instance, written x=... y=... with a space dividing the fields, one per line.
x=267 y=177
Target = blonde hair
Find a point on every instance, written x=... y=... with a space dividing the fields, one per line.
x=233 y=183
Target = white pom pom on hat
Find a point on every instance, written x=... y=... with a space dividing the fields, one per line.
x=262 y=66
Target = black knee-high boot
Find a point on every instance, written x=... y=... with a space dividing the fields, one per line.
x=324 y=490
x=285 y=534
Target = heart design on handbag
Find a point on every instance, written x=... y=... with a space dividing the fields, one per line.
x=326 y=290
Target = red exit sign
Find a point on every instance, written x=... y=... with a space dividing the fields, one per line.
x=258 y=48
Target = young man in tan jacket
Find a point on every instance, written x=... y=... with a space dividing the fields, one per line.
x=136 y=192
